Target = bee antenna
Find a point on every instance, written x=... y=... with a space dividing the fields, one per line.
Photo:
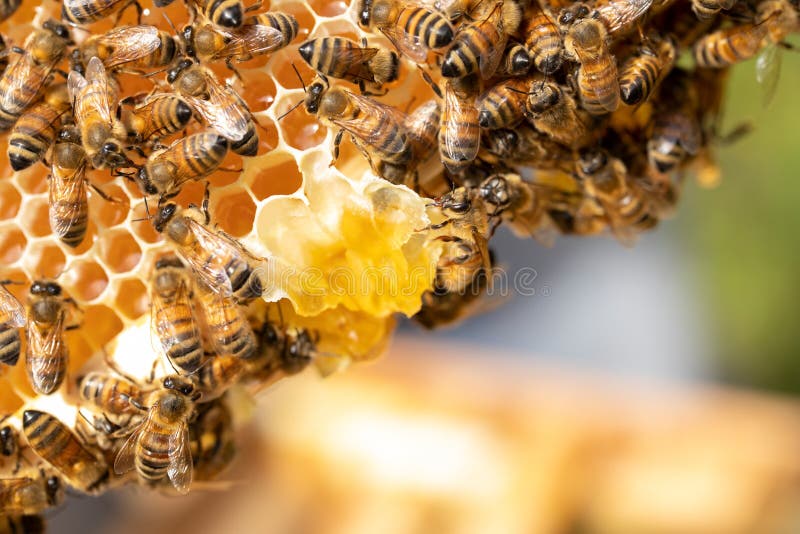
x=10 y=283
x=165 y=69
x=169 y=21
x=299 y=77
x=291 y=109
x=429 y=81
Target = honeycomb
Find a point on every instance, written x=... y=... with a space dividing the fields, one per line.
x=346 y=251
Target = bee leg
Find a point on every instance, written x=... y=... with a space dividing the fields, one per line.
x=336 y=142
x=105 y=196
x=229 y=64
x=254 y=7
x=204 y=205
x=429 y=81
x=136 y=5
x=18 y=50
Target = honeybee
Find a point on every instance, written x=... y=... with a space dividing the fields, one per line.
x=12 y=318
x=708 y=9
x=342 y=58
x=525 y=145
x=68 y=205
x=220 y=373
x=29 y=495
x=441 y=307
x=47 y=355
x=375 y=128
x=111 y=395
x=503 y=105
x=35 y=130
x=57 y=445
x=586 y=43
x=543 y=40
x=191 y=158
x=620 y=16
x=172 y=319
x=413 y=29
x=94 y=101
x=159 y=447
x=226 y=324
x=459 y=132
x=260 y=35
x=223 y=13
x=553 y=111
x=516 y=61
x=88 y=11
x=479 y=46
x=156 y=116
x=130 y=47
x=8 y=8
x=286 y=348
x=422 y=126
x=23 y=80
x=675 y=135
x=643 y=71
x=212 y=440
x=220 y=107
x=215 y=259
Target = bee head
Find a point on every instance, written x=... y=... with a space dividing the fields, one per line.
x=164 y=215
x=53 y=487
x=592 y=162
x=178 y=384
x=57 y=29
x=45 y=288
x=494 y=190
x=8 y=441
x=299 y=352
x=543 y=97
x=364 y=14
x=315 y=92
x=144 y=182
x=232 y=16
x=175 y=72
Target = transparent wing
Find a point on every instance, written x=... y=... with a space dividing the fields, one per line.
x=208 y=258
x=100 y=103
x=180 y=460
x=456 y=136
x=64 y=214
x=365 y=130
x=768 y=70
x=130 y=43
x=11 y=308
x=126 y=457
x=221 y=111
x=23 y=83
x=75 y=85
x=47 y=365
x=408 y=45
x=620 y=15
x=489 y=60
x=254 y=39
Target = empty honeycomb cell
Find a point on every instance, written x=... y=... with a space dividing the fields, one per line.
x=100 y=325
x=132 y=299
x=107 y=214
x=9 y=200
x=80 y=350
x=276 y=179
x=267 y=135
x=234 y=211
x=9 y=400
x=18 y=378
x=86 y=280
x=141 y=226
x=44 y=260
x=304 y=131
x=19 y=285
x=256 y=88
x=283 y=72
x=228 y=173
x=12 y=244
x=325 y=8
x=34 y=217
x=192 y=193
x=119 y=251
x=337 y=28
x=33 y=180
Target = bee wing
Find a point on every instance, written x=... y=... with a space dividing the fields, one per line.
x=75 y=84
x=11 y=307
x=46 y=369
x=620 y=14
x=364 y=129
x=256 y=39
x=139 y=42
x=222 y=111
x=180 y=464
x=96 y=75
x=768 y=70
x=64 y=214
x=165 y=331
x=126 y=457
x=454 y=138
x=406 y=44
x=209 y=246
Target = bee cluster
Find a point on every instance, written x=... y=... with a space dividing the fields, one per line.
x=551 y=117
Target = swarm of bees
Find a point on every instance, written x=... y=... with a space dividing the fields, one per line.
x=552 y=117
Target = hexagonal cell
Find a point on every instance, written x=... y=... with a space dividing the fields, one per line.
x=338 y=27
x=256 y=88
x=33 y=180
x=229 y=173
x=141 y=226
x=80 y=350
x=302 y=131
x=326 y=8
x=107 y=214
x=19 y=282
x=119 y=251
x=12 y=244
x=44 y=260
x=277 y=179
x=284 y=74
x=10 y=402
x=86 y=280
x=100 y=325
x=192 y=193
x=267 y=135
x=10 y=200
x=132 y=300
x=233 y=210
x=34 y=218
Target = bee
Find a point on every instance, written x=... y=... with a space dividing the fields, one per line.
x=375 y=128
x=47 y=353
x=459 y=132
x=260 y=35
x=29 y=495
x=191 y=158
x=173 y=321
x=621 y=16
x=23 y=524
x=87 y=11
x=643 y=71
x=215 y=259
x=219 y=374
x=516 y=61
x=543 y=40
x=675 y=135
x=35 y=130
x=24 y=79
x=708 y=9
x=586 y=43
x=441 y=307
x=412 y=29
x=8 y=8
x=605 y=179
x=111 y=395
x=12 y=318
x=342 y=58
x=223 y=13
x=212 y=440
x=156 y=116
x=220 y=107
x=57 y=445
x=94 y=101
x=130 y=47
x=479 y=46
x=525 y=145
x=422 y=126
x=68 y=205
x=159 y=447
x=226 y=324
x=9 y=445
x=503 y=105
x=553 y=111
x=285 y=348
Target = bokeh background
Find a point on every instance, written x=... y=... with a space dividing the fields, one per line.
x=643 y=390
